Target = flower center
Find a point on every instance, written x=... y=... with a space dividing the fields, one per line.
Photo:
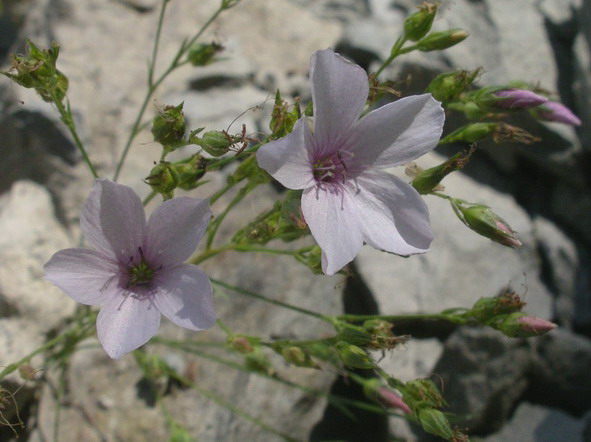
x=330 y=169
x=140 y=273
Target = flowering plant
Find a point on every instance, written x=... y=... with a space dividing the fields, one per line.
x=331 y=162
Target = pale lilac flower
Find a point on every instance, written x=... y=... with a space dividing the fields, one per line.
x=136 y=271
x=558 y=112
x=337 y=161
x=518 y=99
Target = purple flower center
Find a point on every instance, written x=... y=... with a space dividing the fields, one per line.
x=140 y=273
x=330 y=169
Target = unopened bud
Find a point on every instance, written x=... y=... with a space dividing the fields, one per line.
x=282 y=119
x=434 y=422
x=486 y=308
x=202 y=54
x=190 y=171
x=392 y=400
x=436 y=41
x=291 y=210
x=428 y=180
x=450 y=85
x=241 y=344
x=297 y=356
x=470 y=133
x=557 y=112
x=418 y=24
x=216 y=143
x=163 y=179
x=518 y=325
x=169 y=126
x=353 y=356
x=314 y=260
x=257 y=361
x=517 y=99
x=485 y=222
x=37 y=70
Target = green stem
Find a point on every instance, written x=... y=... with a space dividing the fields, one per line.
x=245 y=292
x=153 y=85
x=397 y=319
x=217 y=222
x=66 y=116
x=245 y=248
x=395 y=52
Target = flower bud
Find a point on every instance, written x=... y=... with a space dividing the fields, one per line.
x=392 y=400
x=427 y=180
x=434 y=422
x=469 y=133
x=353 y=356
x=163 y=179
x=241 y=344
x=169 y=126
x=314 y=260
x=190 y=171
x=214 y=142
x=250 y=169
x=282 y=119
x=557 y=112
x=448 y=86
x=297 y=356
x=202 y=54
x=37 y=70
x=517 y=99
x=291 y=210
x=518 y=325
x=436 y=41
x=258 y=362
x=418 y=24
x=485 y=222
x=487 y=308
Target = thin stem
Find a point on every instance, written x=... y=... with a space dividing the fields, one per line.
x=245 y=292
x=66 y=115
x=216 y=223
x=175 y=63
x=149 y=198
x=395 y=52
x=156 y=42
x=405 y=318
x=246 y=249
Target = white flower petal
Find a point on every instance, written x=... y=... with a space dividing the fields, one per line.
x=339 y=92
x=86 y=276
x=126 y=323
x=113 y=220
x=398 y=132
x=393 y=215
x=334 y=225
x=174 y=230
x=184 y=296
x=286 y=159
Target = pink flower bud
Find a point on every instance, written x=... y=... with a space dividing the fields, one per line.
x=518 y=99
x=553 y=111
x=535 y=325
x=392 y=400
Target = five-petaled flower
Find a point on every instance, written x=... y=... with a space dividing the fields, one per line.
x=337 y=160
x=137 y=270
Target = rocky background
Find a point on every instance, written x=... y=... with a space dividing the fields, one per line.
x=534 y=390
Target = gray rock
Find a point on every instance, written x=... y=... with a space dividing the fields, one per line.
x=561 y=377
x=532 y=423
x=483 y=375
